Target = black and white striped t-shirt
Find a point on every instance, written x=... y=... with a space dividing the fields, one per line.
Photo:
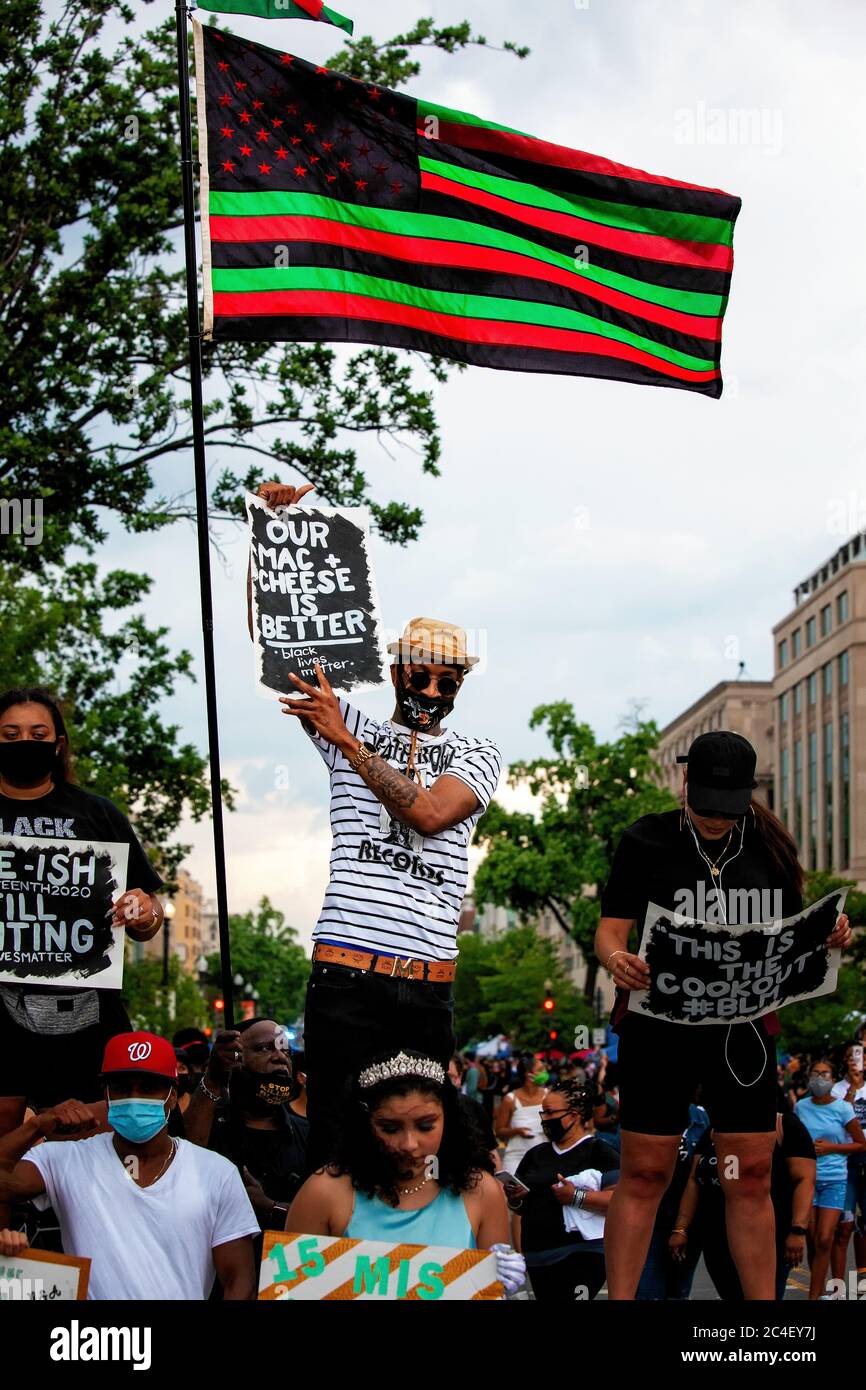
x=391 y=890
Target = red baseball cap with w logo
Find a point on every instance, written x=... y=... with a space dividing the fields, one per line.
x=141 y=1054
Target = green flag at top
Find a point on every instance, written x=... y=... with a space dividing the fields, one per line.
x=281 y=9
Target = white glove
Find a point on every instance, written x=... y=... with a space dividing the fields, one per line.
x=510 y=1268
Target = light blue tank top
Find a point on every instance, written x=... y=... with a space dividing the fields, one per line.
x=444 y=1221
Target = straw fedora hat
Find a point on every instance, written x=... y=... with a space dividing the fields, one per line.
x=433 y=641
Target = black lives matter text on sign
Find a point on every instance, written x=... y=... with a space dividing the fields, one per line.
x=701 y=972
x=314 y=598
x=56 y=899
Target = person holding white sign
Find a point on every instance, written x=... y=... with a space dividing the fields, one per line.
x=726 y=851
x=159 y=1218
x=406 y=795
x=52 y=1037
x=409 y=1169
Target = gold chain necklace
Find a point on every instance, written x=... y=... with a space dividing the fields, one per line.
x=713 y=863
x=408 y=1191
x=171 y=1153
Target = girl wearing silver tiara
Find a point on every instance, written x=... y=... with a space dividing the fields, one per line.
x=408 y=1169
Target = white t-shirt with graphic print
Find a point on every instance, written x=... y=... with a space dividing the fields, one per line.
x=391 y=890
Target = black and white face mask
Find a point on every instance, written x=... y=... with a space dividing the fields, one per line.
x=421 y=712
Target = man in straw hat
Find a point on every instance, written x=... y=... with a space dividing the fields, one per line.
x=405 y=797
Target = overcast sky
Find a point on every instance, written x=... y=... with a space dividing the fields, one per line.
x=607 y=541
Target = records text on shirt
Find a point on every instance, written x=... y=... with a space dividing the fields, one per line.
x=314 y=598
x=702 y=972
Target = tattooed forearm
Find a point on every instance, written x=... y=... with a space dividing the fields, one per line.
x=396 y=791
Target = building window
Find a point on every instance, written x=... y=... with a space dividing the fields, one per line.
x=813 y=800
x=828 y=794
x=811 y=632
x=813 y=687
x=828 y=681
x=826 y=620
x=798 y=792
x=784 y=701
x=795 y=644
x=798 y=698
x=843 y=669
x=845 y=752
x=842 y=607
x=783 y=653
x=785 y=780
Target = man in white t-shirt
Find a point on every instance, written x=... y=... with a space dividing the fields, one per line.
x=158 y=1217
x=406 y=795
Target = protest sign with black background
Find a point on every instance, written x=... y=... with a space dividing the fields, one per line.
x=56 y=899
x=314 y=598
x=702 y=972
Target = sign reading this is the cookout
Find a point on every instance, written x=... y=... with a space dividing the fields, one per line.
x=314 y=598
x=701 y=972
x=56 y=899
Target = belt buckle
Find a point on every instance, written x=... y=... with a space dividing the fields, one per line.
x=403 y=969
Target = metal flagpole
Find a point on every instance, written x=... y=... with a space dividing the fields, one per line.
x=201 y=500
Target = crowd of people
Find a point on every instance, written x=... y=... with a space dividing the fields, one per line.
x=573 y=1172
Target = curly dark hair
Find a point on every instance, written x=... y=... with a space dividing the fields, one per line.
x=358 y=1153
x=577 y=1095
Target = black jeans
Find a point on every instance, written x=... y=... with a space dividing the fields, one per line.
x=350 y=1017
x=556 y=1283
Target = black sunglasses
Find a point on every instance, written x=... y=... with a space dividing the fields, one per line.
x=419 y=680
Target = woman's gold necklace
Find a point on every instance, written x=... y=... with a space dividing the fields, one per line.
x=713 y=863
x=408 y=1191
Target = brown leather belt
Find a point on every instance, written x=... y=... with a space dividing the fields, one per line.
x=437 y=972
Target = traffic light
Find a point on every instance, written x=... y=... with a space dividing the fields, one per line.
x=549 y=1003
x=553 y=1035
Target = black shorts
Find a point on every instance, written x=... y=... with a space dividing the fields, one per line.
x=660 y=1065
x=49 y=1068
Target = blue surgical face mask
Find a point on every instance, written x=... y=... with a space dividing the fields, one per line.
x=137 y=1120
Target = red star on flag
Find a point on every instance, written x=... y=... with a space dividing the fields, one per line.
x=332 y=178
x=246 y=149
x=309 y=128
x=327 y=144
x=276 y=122
x=363 y=151
x=321 y=70
x=226 y=131
x=296 y=139
x=241 y=86
x=300 y=171
x=245 y=117
x=223 y=67
x=263 y=135
x=257 y=105
x=286 y=58
x=292 y=108
x=345 y=165
x=225 y=99
x=264 y=168
x=281 y=153
x=396 y=188
x=360 y=184
x=375 y=94
x=228 y=166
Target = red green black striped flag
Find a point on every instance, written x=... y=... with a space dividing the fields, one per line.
x=280 y=9
x=336 y=210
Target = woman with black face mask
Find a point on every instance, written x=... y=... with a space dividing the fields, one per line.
x=570 y=1182
x=52 y=1038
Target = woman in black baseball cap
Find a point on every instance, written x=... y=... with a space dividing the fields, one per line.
x=705 y=861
